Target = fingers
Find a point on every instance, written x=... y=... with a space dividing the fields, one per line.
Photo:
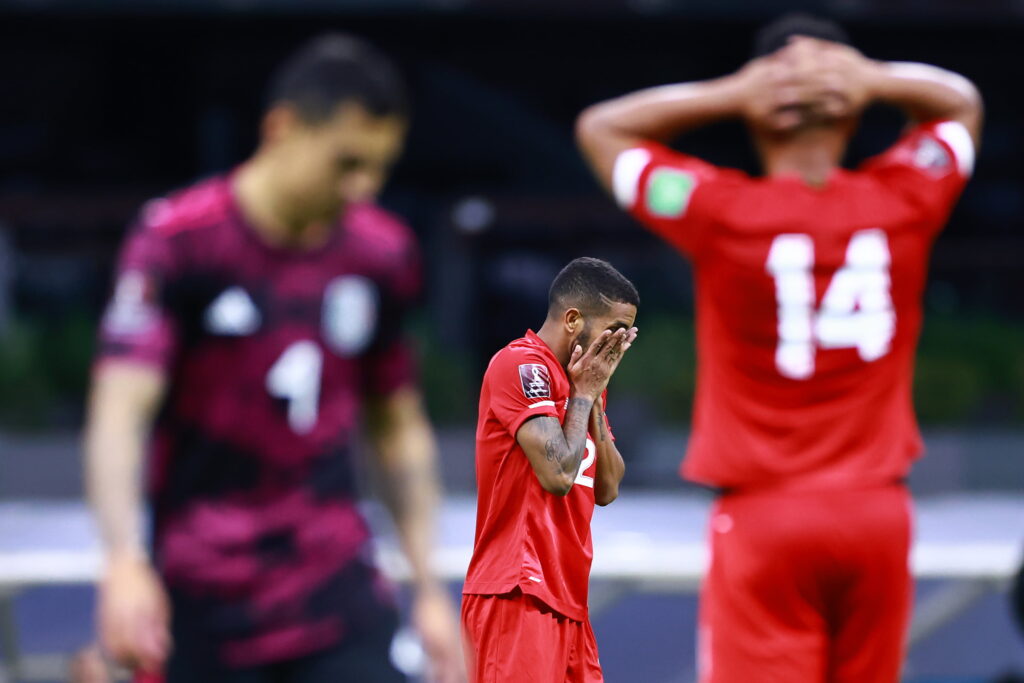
x=134 y=616
x=630 y=338
x=138 y=641
x=599 y=344
x=577 y=353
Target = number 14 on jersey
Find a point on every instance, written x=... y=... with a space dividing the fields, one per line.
x=856 y=310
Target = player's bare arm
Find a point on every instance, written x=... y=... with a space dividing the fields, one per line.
x=610 y=466
x=406 y=460
x=133 y=609
x=556 y=450
x=926 y=93
x=775 y=92
x=606 y=129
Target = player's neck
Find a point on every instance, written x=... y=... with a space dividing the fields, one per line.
x=811 y=155
x=268 y=215
x=551 y=333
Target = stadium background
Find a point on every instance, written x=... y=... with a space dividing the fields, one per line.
x=106 y=103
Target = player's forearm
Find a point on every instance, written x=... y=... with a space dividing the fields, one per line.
x=574 y=431
x=122 y=402
x=660 y=114
x=555 y=450
x=927 y=92
x=113 y=463
x=610 y=466
x=410 y=486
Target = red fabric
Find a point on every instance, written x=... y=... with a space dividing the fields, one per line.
x=851 y=421
x=515 y=638
x=805 y=587
x=528 y=538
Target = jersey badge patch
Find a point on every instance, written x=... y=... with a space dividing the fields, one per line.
x=133 y=308
x=931 y=156
x=669 y=191
x=535 y=379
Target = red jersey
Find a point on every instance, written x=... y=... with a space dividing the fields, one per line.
x=526 y=537
x=808 y=306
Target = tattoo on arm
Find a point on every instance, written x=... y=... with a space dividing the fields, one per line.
x=602 y=426
x=565 y=444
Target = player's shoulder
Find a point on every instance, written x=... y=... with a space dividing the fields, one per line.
x=379 y=230
x=518 y=352
x=202 y=206
x=932 y=150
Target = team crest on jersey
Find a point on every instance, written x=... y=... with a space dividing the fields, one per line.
x=350 y=314
x=535 y=379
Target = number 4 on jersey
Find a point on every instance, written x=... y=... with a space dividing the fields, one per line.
x=856 y=311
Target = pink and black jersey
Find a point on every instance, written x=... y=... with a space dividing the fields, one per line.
x=269 y=354
x=808 y=305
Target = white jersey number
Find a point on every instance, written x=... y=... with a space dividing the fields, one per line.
x=582 y=479
x=295 y=377
x=856 y=311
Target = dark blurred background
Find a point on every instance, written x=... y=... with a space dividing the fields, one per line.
x=107 y=103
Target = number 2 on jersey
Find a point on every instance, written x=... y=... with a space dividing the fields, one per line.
x=856 y=311
x=582 y=479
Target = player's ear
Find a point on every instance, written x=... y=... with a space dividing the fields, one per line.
x=279 y=121
x=573 y=320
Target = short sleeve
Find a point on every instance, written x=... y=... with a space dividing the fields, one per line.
x=672 y=194
x=138 y=325
x=520 y=387
x=391 y=362
x=929 y=165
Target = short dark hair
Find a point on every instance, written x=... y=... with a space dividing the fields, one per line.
x=775 y=35
x=335 y=68
x=589 y=284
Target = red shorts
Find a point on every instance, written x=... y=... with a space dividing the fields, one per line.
x=516 y=638
x=807 y=587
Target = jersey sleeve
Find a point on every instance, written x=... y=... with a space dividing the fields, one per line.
x=672 y=194
x=520 y=388
x=391 y=362
x=138 y=325
x=929 y=165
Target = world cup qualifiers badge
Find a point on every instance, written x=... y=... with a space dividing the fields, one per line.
x=535 y=379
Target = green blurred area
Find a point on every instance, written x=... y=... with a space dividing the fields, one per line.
x=970 y=372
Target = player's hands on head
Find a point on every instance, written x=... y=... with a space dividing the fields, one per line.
x=590 y=369
x=438 y=626
x=134 y=614
x=809 y=81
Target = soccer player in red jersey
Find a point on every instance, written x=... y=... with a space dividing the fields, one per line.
x=256 y=316
x=544 y=456
x=808 y=297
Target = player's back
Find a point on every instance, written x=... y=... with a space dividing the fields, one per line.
x=808 y=309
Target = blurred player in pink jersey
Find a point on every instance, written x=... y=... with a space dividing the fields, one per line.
x=545 y=455
x=256 y=317
x=809 y=283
